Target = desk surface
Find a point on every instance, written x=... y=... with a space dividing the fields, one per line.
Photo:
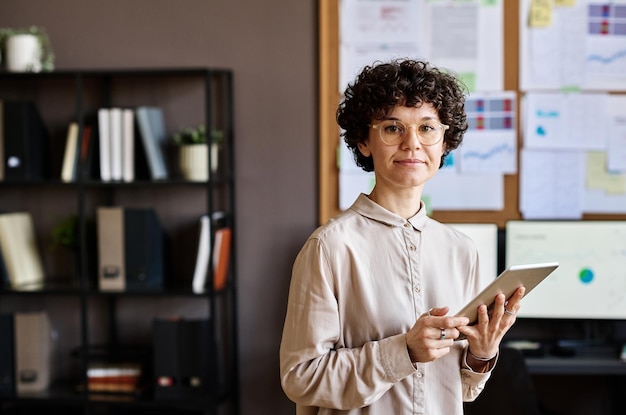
x=550 y=365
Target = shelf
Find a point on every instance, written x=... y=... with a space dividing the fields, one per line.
x=576 y=366
x=131 y=72
x=49 y=288
x=121 y=321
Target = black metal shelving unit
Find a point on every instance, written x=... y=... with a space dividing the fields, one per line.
x=98 y=88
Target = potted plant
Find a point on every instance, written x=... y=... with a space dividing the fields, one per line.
x=194 y=151
x=65 y=236
x=26 y=49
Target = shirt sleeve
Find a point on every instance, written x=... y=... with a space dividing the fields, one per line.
x=473 y=382
x=314 y=370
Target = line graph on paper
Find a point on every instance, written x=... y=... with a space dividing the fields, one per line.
x=607 y=60
x=488 y=152
x=606 y=41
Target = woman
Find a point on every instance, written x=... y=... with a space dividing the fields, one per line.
x=368 y=329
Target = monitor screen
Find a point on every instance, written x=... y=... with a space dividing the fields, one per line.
x=485 y=236
x=590 y=282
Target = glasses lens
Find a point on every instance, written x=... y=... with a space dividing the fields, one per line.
x=392 y=132
x=430 y=132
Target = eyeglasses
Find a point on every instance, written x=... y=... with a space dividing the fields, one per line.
x=393 y=132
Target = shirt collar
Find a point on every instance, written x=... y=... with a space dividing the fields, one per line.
x=363 y=205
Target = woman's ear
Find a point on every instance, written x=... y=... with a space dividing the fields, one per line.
x=364 y=149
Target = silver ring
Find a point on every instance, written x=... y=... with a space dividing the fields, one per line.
x=443 y=334
x=508 y=312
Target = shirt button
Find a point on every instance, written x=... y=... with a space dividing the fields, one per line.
x=418 y=288
x=419 y=375
x=406 y=225
x=411 y=247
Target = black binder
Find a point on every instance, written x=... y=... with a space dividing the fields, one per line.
x=7 y=356
x=182 y=363
x=166 y=352
x=195 y=362
x=143 y=243
x=25 y=141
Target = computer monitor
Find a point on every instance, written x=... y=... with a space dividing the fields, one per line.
x=590 y=282
x=485 y=236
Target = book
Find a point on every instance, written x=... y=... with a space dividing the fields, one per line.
x=86 y=152
x=202 y=257
x=221 y=257
x=115 y=136
x=68 y=171
x=104 y=138
x=20 y=250
x=204 y=251
x=113 y=377
x=128 y=145
x=151 y=126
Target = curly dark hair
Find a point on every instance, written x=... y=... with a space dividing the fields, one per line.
x=379 y=88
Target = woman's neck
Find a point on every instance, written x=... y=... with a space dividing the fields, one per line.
x=405 y=204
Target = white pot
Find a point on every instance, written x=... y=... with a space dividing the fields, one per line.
x=194 y=163
x=23 y=53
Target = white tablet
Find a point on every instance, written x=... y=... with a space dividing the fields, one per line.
x=515 y=276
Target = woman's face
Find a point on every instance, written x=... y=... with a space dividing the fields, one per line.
x=408 y=164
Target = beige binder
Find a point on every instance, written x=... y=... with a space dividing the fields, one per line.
x=20 y=250
x=32 y=351
x=111 y=268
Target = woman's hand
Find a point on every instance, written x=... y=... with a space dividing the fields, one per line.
x=433 y=334
x=485 y=336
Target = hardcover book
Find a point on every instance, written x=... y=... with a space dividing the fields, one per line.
x=203 y=256
x=128 y=145
x=221 y=257
x=151 y=127
x=68 y=171
x=115 y=138
x=104 y=143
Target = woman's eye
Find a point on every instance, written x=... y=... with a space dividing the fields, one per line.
x=394 y=129
x=427 y=128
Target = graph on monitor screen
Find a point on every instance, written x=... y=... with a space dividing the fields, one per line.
x=590 y=282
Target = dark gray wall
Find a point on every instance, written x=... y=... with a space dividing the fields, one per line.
x=271 y=46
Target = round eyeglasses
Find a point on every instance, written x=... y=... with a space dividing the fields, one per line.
x=393 y=132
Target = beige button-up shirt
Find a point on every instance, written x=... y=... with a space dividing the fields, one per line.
x=358 y=285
